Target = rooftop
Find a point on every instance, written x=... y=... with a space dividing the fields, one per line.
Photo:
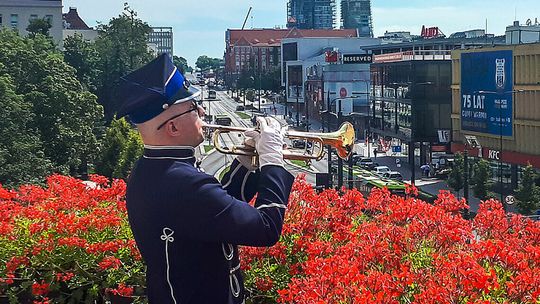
x=73 y=21
x=273 y=37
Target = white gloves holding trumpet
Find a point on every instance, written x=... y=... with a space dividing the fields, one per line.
x=267 y=141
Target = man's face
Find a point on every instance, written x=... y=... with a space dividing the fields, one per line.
x=188 y=122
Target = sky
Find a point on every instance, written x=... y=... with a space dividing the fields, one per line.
x=199 y=25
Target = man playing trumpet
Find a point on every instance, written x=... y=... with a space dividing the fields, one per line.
x=187 y=224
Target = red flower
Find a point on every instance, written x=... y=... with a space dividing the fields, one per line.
x=122 y=290
x=110 y=263
x=40 y=289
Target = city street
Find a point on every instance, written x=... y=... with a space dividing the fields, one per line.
x=213 y=162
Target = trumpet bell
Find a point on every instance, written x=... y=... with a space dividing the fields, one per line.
x=342 y=139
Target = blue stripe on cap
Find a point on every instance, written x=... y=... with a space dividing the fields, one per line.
x=176 y=83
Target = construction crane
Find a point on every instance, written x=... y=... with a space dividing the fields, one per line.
x=247 y=16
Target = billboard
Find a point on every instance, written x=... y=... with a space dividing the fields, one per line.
x=486 y=92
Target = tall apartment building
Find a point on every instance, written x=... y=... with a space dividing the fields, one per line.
x=311 y=14
x=162 y=39
x=17 y=14
x=356 y=14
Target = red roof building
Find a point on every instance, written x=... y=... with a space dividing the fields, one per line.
x=258 y=50
x=72 y=20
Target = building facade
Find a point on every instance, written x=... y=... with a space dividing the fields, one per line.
x=495 y=97
x=75 y=25
x=411 y=97
x=518 y=34
x=311 y=14
x=411 y=101
x=17 y=14
x=255 y=51
x=161 y=40
x=357 y=14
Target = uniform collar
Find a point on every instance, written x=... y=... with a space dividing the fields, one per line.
x=182 y=153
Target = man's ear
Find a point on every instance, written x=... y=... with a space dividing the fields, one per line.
x=172 y=129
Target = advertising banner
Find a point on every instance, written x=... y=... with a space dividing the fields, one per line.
x=486 y=92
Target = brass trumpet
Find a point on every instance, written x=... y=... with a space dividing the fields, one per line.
x=342 y=140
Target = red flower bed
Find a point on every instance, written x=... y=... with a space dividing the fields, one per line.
x=389 y=249
x=69 y=242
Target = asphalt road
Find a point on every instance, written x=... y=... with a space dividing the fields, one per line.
x=214 y=161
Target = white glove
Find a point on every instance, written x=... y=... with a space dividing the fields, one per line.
x=247 y=161
x=268 y=141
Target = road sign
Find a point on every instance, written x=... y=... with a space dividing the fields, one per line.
x=396 y=149
x=510 y=200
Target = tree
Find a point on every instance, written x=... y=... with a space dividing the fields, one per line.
x=481 y=179
x=22 y=157
x=455 y=178
x=67 y=117
x=204 y=62
x=132 y=150
x=84 y=57
x=114 y=142
x=528 y=193
x=122 y=47
x=182 y=64
x=39 y=26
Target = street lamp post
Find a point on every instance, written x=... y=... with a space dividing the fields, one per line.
x=260 y=87
x=297 y=105
x=340 y=161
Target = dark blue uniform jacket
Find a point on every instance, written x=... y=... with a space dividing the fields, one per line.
x=187 y=224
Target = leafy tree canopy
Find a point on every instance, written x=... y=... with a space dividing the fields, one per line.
x=66 y=117
x=22 y=156
x=84 y=57
x=122 y=46
x=528 y=193
x=39 y=26
x=455 y=178
x=204 y=63
x=182 y=64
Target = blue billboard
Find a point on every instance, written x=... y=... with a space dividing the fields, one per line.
x=486 y=92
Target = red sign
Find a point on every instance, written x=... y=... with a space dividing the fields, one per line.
x=331 y=56
x=390 y=57
x=430 y=32
x=343 y=92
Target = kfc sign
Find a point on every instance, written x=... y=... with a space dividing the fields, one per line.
x=494 y=154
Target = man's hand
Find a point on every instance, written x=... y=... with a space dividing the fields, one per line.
x=245 y=160
x=268 y=141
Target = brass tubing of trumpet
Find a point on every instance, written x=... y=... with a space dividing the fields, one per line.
x=342 y=140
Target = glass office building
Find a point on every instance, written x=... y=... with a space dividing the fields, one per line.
x=311 y=14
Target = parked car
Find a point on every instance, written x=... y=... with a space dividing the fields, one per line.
x=240 y=108
x=372 y=166
x=380 y=170
x=300 y=144
x=393 y=175
x=223 y=120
